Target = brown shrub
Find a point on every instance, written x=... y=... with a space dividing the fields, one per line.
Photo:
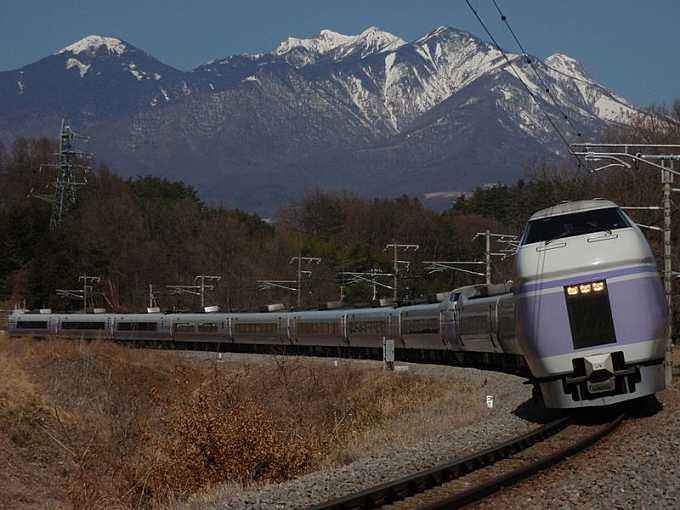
x=122 y=428
x=213 y=437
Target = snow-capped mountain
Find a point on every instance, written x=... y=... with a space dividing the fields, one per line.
x=368 y=112
x=335 y=47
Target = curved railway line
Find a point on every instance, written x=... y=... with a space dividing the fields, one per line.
x=474 y=477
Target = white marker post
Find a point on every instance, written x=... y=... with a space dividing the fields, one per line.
x=489 y=401
x=388 y=353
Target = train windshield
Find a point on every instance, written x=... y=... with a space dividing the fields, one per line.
x=576 y=224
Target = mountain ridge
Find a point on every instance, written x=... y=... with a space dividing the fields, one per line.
x=368 y=112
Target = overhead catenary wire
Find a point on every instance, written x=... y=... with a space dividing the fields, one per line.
x=531 y=63
x=517 y=75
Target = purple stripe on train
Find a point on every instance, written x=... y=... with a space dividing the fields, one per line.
x=549 y=284
x=638 y=311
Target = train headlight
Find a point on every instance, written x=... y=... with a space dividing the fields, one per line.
x=586 y=289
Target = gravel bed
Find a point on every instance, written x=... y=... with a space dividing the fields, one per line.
x=511 y=414
x=637 y=466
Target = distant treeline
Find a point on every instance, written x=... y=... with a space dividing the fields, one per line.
x=149 y=230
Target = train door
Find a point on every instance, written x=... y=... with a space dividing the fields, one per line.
x=230 y=329
x=457 y=323
x=493 y=325
x=291 y=329
x=475 y=324
x=345 y=328
x=110 y=327
x=442 y=326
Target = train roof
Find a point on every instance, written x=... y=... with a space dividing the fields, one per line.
x=485 y=290
x=573 y=207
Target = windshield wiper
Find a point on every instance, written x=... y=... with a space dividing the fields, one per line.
x=562 y=235
x=572 y=234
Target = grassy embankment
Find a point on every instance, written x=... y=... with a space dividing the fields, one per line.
x=95 y=425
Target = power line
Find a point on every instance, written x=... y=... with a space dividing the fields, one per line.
x=517 y=75
x=530 y=61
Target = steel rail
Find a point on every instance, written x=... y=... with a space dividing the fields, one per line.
x=402 y=488
x=491 y=486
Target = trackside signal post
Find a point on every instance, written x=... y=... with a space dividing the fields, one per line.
x=662 y=158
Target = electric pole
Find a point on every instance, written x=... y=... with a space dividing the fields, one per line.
x=667 y=180
x=86 y=293
x=488 y=237
x=300 y=261
x=201 y=278
x=88 y=285
x=396 y=247
x=198 y=289
x=370 y=277
x=618 y=156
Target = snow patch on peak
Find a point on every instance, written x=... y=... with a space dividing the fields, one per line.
x=92 y=43
x=82 y=68
x=566 y=65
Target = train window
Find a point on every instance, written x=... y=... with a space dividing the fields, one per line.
x=473 y=324
x=207 y=327
x=32 y=325
x=590 y=315
x=83 y=325
x=137 y=326
x=185 y=327
x=575 y=224
x=420 y=326
x=317 y=328
x=367 y=327
x=255 y=328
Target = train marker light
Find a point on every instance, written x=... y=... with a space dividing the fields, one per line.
x=584 y=288
x=598 y=286
x=572 y=291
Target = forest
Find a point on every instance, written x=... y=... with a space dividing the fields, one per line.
x=147 y=230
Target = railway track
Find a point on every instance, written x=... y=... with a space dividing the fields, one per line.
x=472 y=478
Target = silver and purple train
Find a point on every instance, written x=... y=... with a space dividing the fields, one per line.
x=584 y=320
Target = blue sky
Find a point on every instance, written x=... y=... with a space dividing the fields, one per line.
x=630 y=46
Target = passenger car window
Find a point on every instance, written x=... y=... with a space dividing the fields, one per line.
x=576 y=224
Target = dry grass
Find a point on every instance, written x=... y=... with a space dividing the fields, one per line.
x=100 y=426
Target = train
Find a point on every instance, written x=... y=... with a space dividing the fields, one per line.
x=584 y=319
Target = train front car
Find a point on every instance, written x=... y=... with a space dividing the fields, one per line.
x=591 y=309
